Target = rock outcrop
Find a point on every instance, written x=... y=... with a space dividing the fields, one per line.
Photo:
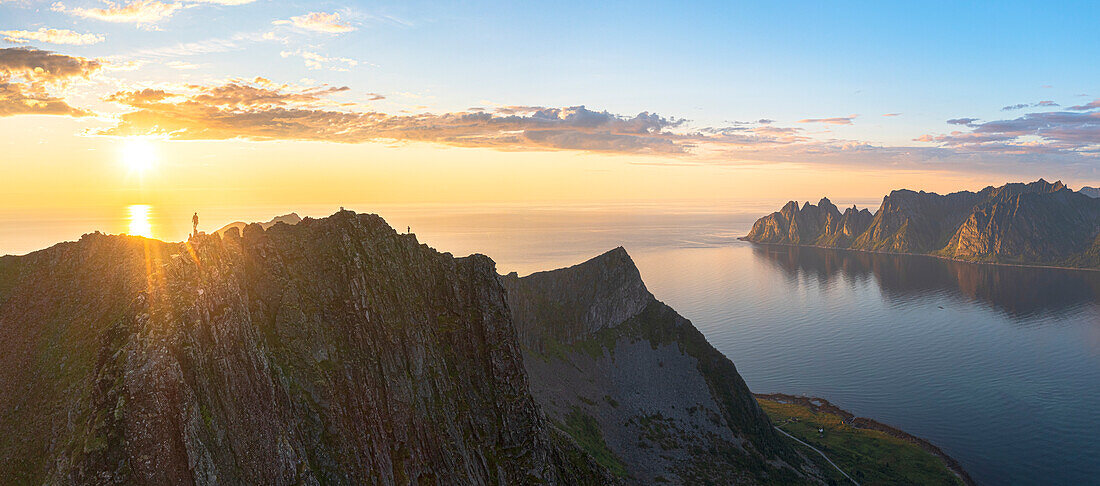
x=291 y=218
x=822 y=224
x=638 y=386
x=1038 y=223
x=333 y=351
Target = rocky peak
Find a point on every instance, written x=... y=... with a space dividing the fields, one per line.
x=601 y=292
x=666 y=406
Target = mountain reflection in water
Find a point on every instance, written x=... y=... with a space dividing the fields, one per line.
x=1019 y=292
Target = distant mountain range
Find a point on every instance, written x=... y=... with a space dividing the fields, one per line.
x=291 y=218
x=1039 y=223
x=1090 y=191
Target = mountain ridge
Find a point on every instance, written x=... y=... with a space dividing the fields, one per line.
x=666 y=405
x=332 y=351
x=1039 y=223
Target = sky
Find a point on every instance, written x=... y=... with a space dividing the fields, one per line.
x=196 y=103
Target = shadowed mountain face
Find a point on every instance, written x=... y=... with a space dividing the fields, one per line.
x=1037 y=223
x=638 y=385
x=333 y=351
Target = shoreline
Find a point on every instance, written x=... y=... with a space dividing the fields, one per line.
x=822 y=405
x=929 y=255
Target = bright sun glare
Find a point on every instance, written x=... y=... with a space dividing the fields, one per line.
x=140 y=216
x=139 y=155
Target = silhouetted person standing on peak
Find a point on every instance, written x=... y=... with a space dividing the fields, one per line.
x=195 y=224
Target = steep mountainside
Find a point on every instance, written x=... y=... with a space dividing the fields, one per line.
x=334 y=351
x=1037 y=223
x=638 y=385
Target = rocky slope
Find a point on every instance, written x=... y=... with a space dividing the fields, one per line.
x=334 y=351
x=291 y=218
x=1037 y=223
x=1090 y=191
x=638 y=385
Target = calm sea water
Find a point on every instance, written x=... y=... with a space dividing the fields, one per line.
x=999 y=366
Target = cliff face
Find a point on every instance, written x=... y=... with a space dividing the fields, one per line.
x=332 y=351
x=822 y=224
x=1040 y=222
x=638 y=386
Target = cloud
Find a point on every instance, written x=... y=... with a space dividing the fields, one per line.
x=842 y=120
x=136 y=12
x=51 y=36
x=891 y=114
x=1052 y=132
x=1094 y=104
x=260 y=111
x=962 y=121
x=187 y=49
x=24 y=99
x=1029 y=105
x=28 y=74
x=224 y=2
x=318 y=22
x=181 y=65
x=317 y=61
x=38 y=66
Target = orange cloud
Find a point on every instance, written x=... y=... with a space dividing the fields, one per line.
x=25 y=75
x=262 y=111
x=38 y=66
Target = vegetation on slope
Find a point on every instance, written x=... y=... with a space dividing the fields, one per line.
x=871 y=457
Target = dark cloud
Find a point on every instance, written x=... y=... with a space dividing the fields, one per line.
x=962 y=121
x=1094 y=104
x=1021 y=106
x=1060 y=132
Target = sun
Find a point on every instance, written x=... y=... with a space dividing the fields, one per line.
x=139 y=155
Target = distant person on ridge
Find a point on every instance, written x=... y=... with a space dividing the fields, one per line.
x=195 y=224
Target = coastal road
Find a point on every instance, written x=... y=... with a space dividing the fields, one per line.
x=784 y=432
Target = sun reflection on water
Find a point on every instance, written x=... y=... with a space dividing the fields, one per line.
x=140 y=220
